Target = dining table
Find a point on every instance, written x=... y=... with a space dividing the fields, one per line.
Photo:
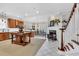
x=22 y=36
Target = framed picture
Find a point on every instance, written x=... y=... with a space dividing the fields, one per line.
x=52 y=23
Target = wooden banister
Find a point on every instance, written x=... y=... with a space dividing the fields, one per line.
x=62 y=29
x=62 y=42
x=71 y=14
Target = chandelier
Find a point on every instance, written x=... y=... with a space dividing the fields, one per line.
x=3 y=15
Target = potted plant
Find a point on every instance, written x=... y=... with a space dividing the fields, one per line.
x=64 y=21
x=57 y=21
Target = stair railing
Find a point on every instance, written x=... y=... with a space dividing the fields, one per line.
x=64 y=29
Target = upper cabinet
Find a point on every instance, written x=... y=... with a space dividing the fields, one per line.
x=19 y=21
x=12 y=23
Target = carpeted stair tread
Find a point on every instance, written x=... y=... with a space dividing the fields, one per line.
x=71 y=45
x=75 y=42
x=67 y=47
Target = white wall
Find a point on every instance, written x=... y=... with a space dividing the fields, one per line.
x=41 y=20
x=72 y=28
x=3 y=24
x=70 y=31
x=77 y=22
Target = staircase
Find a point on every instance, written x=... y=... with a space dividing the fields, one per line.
x=69 y=47
x=75 y=42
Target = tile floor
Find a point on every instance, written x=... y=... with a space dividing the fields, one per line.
x=49 y=48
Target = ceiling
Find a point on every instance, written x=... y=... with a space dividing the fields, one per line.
x=36 y=9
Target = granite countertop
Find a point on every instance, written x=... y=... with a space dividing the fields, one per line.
x=14 y=30
x=29 y=30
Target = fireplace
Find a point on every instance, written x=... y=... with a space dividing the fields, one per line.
x=52 y=35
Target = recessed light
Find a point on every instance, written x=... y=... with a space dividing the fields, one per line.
x=37 y=12
x=26 y=14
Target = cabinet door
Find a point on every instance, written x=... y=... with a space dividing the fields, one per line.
x=11 y=23
x=1 y=37
x=18 y=22
x=4 y=36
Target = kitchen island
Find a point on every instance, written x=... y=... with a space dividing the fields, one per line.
x=4 y=36
x=17 y=37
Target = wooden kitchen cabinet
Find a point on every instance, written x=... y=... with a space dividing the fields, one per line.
x=4 y=36
x=19 y=21
x=12 y=23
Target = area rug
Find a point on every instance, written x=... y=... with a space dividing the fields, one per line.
x=9 y=49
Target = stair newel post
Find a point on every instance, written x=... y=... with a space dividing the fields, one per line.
x=62 y=40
